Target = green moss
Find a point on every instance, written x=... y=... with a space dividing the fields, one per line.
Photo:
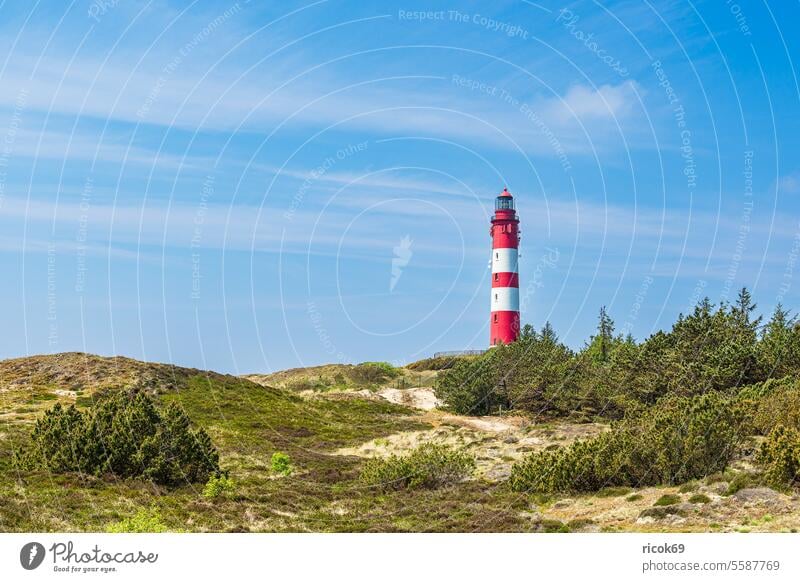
x=699 y=498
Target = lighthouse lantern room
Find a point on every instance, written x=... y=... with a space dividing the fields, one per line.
x=504 y=322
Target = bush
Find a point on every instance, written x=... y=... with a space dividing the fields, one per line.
x=440 y=363
x=428 y=466
x=145 y=521
x=472 y=386
x=538 y=373
x=281 y=463
x=613 y=492
x=780 y=406
x=677 y=440
x=126 y=435
x=740 y=481
x=780 y=456
x=699 y=498
x=373 y=372
x=218 y=485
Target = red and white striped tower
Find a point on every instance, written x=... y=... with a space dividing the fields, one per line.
x=504 y=323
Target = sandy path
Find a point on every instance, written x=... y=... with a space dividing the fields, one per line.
x=421 y=398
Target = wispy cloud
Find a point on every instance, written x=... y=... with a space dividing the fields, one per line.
x=258 y=101
x=608 y=102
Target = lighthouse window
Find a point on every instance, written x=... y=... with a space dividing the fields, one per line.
x=496 y=277
x=495 y=296
x=495 y=318
x=504 y=203
x=497 y=255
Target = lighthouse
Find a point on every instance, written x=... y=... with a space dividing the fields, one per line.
x=504 y=318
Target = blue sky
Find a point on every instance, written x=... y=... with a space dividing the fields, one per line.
x=253 y=186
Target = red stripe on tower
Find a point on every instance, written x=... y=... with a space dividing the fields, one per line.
x=504 y=319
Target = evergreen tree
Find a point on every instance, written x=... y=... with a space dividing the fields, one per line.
x=779 y=348
x=603 y=342
x=126 y=435
x=548 y=334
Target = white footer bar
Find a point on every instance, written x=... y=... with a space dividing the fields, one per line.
x=401 y=557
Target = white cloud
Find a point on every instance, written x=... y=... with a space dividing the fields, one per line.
x=224 y=100
x=608 y=102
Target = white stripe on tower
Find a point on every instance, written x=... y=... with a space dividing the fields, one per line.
x=505 y=299
x=505 y=261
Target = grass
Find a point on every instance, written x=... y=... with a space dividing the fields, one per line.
x=613 y=492
x=249 y=423
x=667 y=499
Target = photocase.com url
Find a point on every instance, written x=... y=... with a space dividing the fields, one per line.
x=719 y=566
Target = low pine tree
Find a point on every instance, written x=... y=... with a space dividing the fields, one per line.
x=125 y=435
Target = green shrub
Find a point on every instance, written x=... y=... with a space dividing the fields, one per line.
x=126 y=435
x=535 y=373
x=699 y=498
x=281 y=463
x=613 y=492
x=662 y=511
x=740 y=481
x=218 y=485
x=145 y=521
x=472 y=386
x=428 y=466
x=667 y=499
x=714 y=348
x=373 y=372
x=440 y=363
x=720 y=477
x=780 y=406
x=780 y=457
x=677 y=440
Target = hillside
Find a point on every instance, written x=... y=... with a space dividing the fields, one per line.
x=329 y=429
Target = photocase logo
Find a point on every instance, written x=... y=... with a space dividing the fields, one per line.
x=402 y=255
x=31 y=555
